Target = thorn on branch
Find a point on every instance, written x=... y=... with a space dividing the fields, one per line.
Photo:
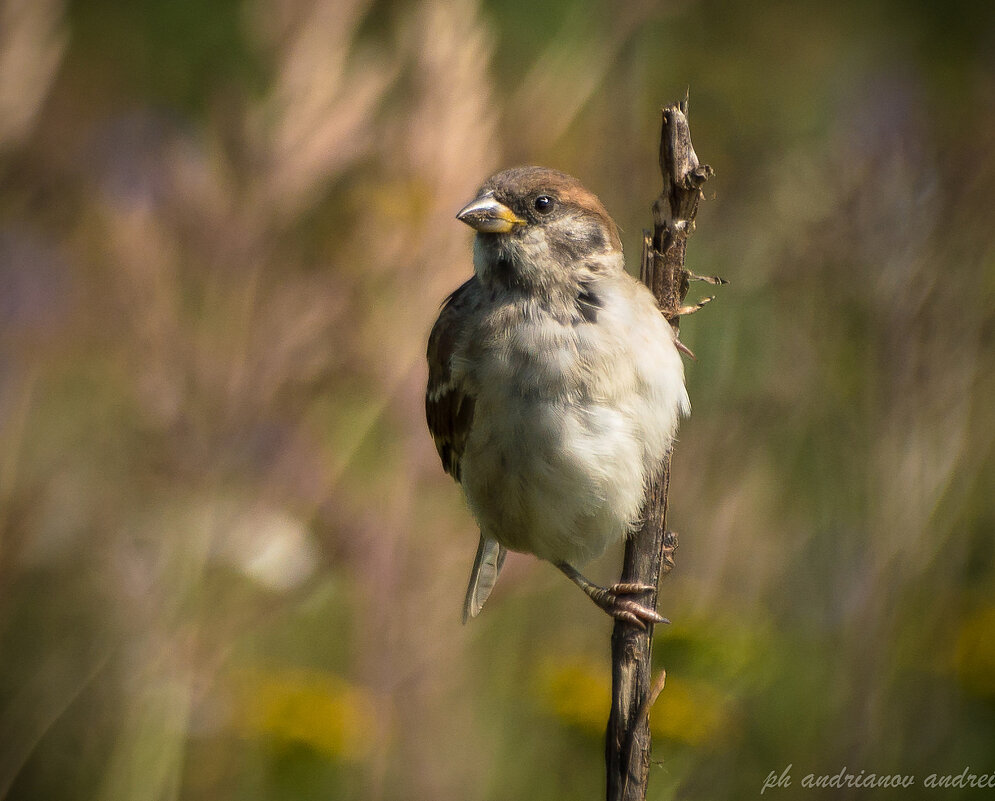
x=669 y=547
x=658 y=684
x=685 y=350
x=714 y=280
x=683 y=311
x=643 y=715
x=697 y=177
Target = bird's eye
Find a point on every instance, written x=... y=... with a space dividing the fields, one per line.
x=543 y=204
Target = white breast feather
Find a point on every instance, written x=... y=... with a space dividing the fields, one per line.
x=570 y=422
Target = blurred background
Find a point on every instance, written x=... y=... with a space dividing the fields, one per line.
x=231 y=566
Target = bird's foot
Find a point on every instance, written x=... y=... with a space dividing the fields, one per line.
x=614 y=601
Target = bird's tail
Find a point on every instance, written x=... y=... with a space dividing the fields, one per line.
x=487 y=565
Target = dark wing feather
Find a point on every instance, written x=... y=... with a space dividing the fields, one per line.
x=448 y=407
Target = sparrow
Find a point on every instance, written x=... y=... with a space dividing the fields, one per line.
x=555 y=384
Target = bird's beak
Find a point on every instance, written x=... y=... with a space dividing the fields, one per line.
x=488 y=215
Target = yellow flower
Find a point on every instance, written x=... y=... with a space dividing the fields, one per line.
x=974 y=654
x=578 y=692
x=311 y=707
x=687 y=711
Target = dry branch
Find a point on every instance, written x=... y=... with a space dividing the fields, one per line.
x=649 y=553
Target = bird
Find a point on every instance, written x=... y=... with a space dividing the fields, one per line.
x=555 y=385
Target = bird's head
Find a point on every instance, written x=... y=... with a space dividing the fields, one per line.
x=538 y=229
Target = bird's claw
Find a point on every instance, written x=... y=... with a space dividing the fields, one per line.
x=626 y=609
x=612 y=599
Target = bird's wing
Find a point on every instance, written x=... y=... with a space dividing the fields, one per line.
x=448 y=406
x=449 y=409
